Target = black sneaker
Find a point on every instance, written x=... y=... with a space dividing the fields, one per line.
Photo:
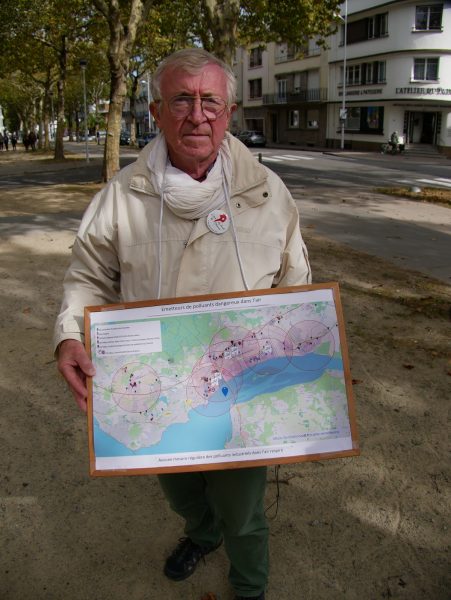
x=261 y=597
x=183 y=561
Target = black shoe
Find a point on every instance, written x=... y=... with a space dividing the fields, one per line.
x=261 y=597
x=183 y=561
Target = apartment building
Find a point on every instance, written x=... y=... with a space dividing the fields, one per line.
x=282 y=95
x=394 y=72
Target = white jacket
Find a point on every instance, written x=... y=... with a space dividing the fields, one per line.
x=115 y=254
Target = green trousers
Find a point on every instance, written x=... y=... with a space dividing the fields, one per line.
x=226 y=504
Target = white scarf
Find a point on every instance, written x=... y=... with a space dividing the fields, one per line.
x=183 y=195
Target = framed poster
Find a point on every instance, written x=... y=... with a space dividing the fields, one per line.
x=219 y=381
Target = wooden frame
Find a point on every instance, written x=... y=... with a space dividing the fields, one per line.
x=115 y=333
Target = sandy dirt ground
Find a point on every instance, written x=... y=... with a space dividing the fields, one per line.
x=364 y=528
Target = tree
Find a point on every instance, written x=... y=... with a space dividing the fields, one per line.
x=123 y=20
x=222 y=25
x=156 y=38
x=50 y=28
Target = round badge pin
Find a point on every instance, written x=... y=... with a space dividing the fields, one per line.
x=218 y=221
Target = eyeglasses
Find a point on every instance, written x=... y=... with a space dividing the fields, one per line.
x=213 y=107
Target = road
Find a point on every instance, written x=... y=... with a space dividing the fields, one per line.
x=336 y=197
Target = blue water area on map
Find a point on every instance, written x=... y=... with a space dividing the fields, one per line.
x=198 y=435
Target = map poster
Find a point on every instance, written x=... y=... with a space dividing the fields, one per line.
x=219 y=381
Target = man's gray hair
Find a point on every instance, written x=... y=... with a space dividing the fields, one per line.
x=193 y=60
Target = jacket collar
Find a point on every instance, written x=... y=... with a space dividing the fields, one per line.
x=247 y=173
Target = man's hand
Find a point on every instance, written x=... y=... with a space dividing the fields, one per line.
x=74 y=365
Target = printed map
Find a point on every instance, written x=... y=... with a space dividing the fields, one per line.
x=226 y=377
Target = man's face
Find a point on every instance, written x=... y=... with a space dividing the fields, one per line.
x=193 y=139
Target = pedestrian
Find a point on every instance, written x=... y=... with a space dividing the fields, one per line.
x=14 y=140
x=26 y=141
x=148 y=234
x=1 y=141
x=32 y=140
x=394 y=142
x=6 y=140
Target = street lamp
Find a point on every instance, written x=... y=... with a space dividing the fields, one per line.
x=83 y=63
x=343 y=111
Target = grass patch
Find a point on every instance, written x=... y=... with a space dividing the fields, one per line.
x=427 y=194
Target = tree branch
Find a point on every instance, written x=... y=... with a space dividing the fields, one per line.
x=102 y=7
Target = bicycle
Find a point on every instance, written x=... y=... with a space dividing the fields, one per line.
x=389 y=148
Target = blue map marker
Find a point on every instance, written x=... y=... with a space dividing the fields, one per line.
x=225 y=391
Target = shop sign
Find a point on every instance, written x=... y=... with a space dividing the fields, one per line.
x=367 y=91
x=439 y=91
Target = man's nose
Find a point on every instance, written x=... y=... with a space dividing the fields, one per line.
x=196 y=115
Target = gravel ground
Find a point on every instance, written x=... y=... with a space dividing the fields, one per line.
x=364 y=528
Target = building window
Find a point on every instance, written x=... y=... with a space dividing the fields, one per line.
x=312 y=118
x=381 y=70
x=365 y=119
x=425 y=69
x=255 y=88
x=372 y=118
x=353 y=118
x=373 y=72
x=353 y=75
x=377 y=26
x=284 y=52
x=281 y=90
x=429 y=18
x=367 y=29
x=255 y=57
x=293 y=119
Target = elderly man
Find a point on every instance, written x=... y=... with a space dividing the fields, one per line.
x=195 y=214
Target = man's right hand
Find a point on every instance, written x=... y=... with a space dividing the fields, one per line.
x=74 y=365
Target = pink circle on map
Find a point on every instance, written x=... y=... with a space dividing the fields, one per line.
x=206 y=378
x=135 y=387
x=265 y=350
x=226 y=348
x=306 y=337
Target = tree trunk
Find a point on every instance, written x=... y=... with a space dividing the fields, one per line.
x=122 y=39
x=70 y=126
x=40 y=118
x=111 y=153
x=46 y=120
x=60 y=85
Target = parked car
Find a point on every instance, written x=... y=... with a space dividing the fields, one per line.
x=82 y=138
x=145 y=139
x=124 y=139
x=252 y=138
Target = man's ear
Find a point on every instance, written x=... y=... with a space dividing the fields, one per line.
x=155 y=111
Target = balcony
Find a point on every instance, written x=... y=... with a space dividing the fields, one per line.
x=315 y=95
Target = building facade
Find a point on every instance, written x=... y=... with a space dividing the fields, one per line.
x=282 y=95
x=394 y=74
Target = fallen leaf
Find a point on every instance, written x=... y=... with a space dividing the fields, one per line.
x=357 y=381
x=408 y=367
x=26 y=310
x=209 y=596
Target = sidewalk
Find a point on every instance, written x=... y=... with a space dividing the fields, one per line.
x=371 y=527
x=405 y=157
